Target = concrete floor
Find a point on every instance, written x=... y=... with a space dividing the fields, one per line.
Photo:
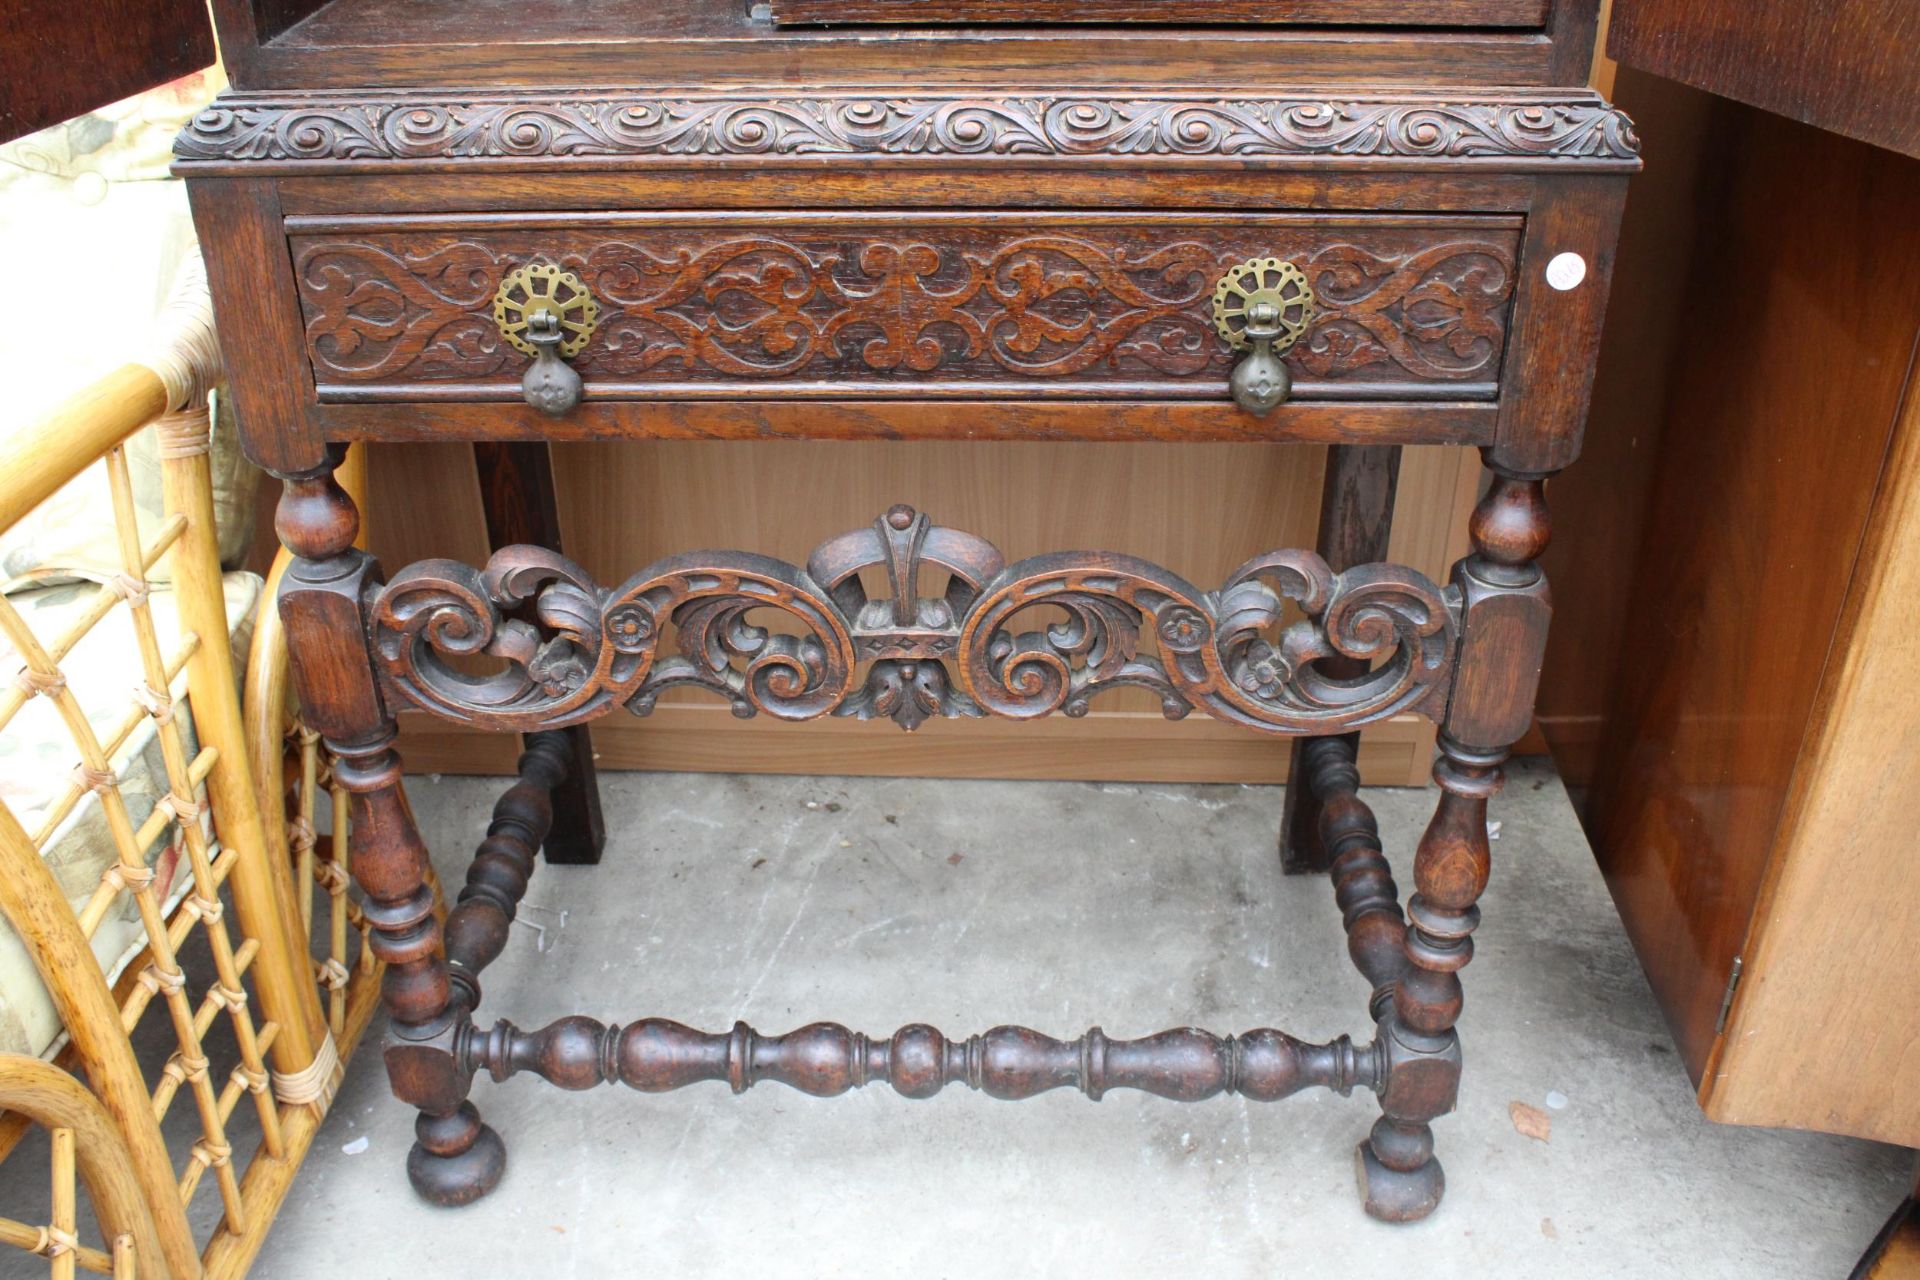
x=964 y=904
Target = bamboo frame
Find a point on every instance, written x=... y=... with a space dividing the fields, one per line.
x=264 y=989
x=84 y=1139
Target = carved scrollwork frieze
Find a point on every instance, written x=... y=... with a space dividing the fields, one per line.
x=771 y=637
x=1559 y=127
x=1021 y=302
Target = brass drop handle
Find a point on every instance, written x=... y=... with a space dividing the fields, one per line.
x=549 y=384
x=1265 y=305
x=546 y=313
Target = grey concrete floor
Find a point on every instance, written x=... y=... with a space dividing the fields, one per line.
x=1060 y=906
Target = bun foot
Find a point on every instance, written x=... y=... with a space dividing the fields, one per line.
x=457 y=1158
x=1397 y=1195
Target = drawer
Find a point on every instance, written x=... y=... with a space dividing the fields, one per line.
x=1386 y=13
x=921 y=305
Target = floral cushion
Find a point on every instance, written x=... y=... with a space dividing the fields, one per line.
x=37 y=762
x=88 y=210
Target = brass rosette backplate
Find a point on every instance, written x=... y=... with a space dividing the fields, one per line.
x=1263 y=298
x=542 y=286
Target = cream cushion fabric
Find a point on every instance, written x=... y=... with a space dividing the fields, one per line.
x=89 y=211
x=37 y=762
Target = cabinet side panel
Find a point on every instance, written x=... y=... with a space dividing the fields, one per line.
x=1792 y=357
x=1824 y=1033
x=1845 y=65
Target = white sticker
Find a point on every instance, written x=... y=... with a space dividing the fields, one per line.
x=1566 y=271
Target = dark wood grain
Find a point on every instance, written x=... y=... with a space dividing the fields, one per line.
x=358 y=43
x=1363 y=886
x=1434 y=13
x=796 y=184
x=244 y=245
x=1601 y=504
x=322 y=599
x=497 y=878
x=1558 y=129
x=1400 y=1176
x=1847 y=66
x=825 y=1059
x=272 y=18
x=1555 y=332
x=498 y=417
x=1505 y=611
x=518 y=500
x=52 y=69
x=1572 y=27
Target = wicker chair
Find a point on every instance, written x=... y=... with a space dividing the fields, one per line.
x=221 y=918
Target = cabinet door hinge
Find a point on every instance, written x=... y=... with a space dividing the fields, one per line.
x=1726 y=1001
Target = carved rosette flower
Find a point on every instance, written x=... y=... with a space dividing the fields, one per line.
x=1266 y=671
x=1183 y=629
x=558 y=669
x=630 y=627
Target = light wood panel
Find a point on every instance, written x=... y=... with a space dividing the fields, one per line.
x=1838 y=924
x=1198 y=509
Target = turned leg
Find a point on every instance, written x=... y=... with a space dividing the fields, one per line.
x=503 y=864
x=322 y=602
x=517 y=494
x=1363 y=886
x=456 y=1159
x=1505 y=609
x=1356 y=518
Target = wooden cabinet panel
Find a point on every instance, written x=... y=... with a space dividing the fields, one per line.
x=1845 y=65
x=1722 y=768
x=1600 y=506
x=1837 y=926
x=55 y=65
x=1398 y=13
x=1227 y=43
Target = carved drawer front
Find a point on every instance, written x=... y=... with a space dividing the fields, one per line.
x=909 y=305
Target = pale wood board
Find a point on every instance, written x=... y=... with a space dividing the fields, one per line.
x=1829 y=962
